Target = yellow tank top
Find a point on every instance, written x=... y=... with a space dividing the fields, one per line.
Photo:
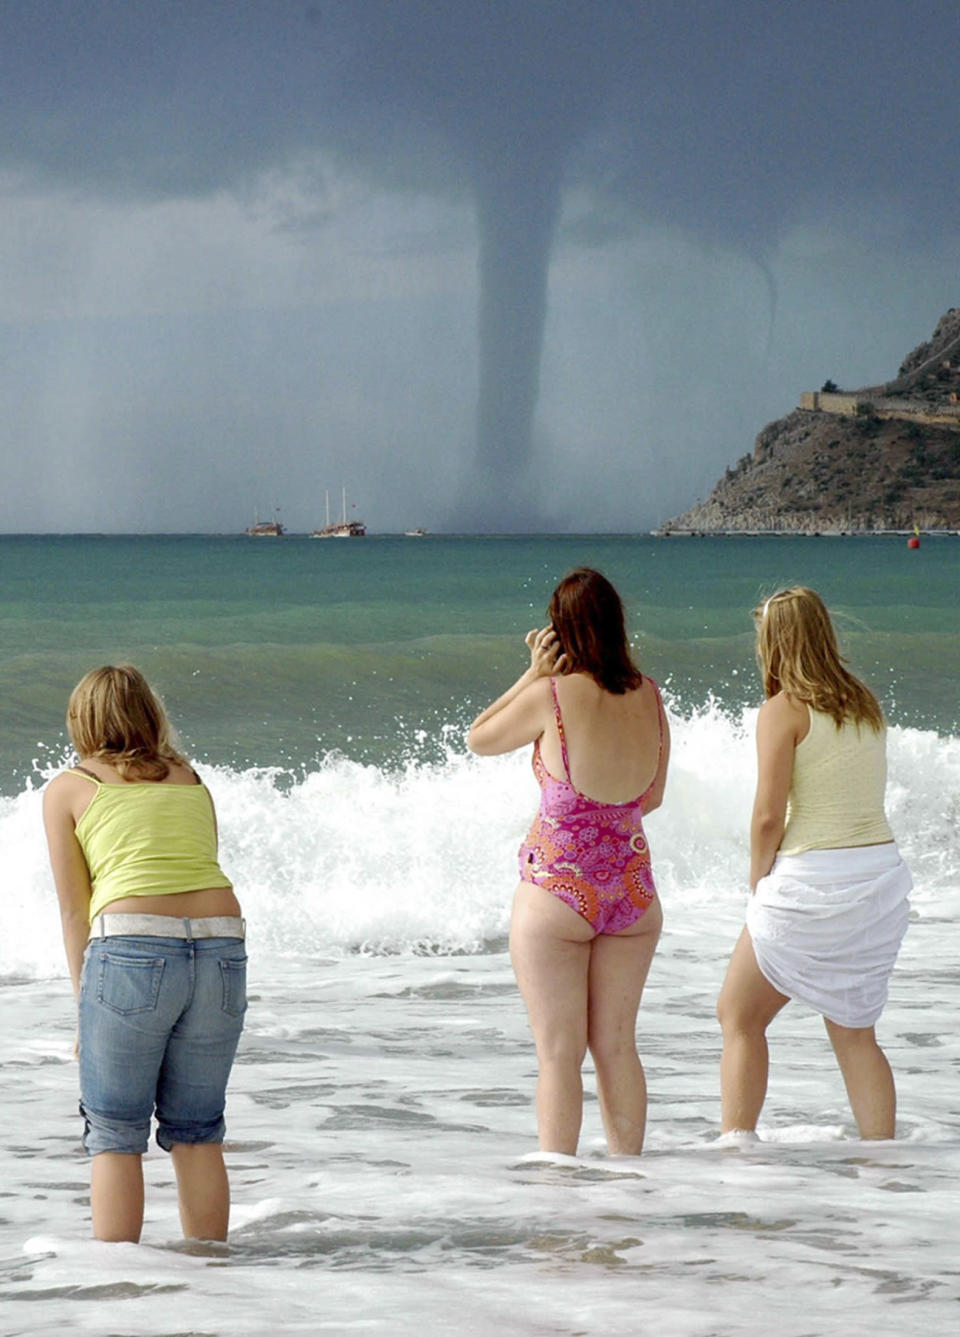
x=148 y=839
x=836 y=794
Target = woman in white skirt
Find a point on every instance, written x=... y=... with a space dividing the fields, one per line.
x=828 y=906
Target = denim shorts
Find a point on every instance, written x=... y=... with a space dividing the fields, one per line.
x=159 y=1022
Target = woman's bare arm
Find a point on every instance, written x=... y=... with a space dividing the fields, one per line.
x=521 y=714
x=70 y=873
x=781 y=724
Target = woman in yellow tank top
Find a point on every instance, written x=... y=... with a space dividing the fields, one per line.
x=828 y=906
x=155 y=946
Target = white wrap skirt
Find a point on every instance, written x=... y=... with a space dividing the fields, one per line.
x=827 y=925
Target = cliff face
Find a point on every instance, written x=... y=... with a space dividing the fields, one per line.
x=944 y=340
x=885 y=457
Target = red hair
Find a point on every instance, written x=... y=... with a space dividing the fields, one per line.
x=587 y=615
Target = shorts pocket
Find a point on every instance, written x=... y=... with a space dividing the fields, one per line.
x=129 y=984
x=233 y=978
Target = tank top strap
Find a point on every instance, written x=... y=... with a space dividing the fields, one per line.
x=563 y=737
x=88 y=775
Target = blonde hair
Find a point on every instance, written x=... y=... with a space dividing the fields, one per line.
x=798 y=655
x=115 y=717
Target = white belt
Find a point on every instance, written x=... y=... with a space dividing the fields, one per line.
x=167 y=926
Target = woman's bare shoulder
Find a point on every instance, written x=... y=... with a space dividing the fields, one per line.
x=580 y=693
x=783 y=712
x=65 y=795
x=66 y=782
x=782 y=704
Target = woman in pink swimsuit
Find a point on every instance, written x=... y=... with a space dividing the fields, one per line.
x=586 y=917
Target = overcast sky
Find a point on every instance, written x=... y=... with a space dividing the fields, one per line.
x=488 y=263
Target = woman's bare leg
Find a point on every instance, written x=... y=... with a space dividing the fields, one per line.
x=748 y=1003
x=867 y=1077
x=550 y=951
x=619 y=964
x=202 y=1189
x=116 y=1196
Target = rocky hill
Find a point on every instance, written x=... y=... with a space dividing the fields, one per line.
x=881 y=457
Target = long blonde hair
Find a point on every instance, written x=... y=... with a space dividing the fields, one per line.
x=797 y=654
x=115 y=717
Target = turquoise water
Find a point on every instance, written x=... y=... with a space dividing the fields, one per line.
x=275 y=653
x=380 y=1113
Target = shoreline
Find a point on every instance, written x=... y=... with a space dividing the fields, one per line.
x=665 y=532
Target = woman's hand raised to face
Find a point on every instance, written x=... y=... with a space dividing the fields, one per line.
x=521 y=713
x=546 y=656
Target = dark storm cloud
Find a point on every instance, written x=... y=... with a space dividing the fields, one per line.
x=742 y=115
x=189 y=102
x=510 y=88
x=725 y=120
x=722 y=116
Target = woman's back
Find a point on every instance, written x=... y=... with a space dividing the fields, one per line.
x=837 y=787
x=613 y=741
x=150 y=846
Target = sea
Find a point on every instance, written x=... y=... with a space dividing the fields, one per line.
x=381 y=1136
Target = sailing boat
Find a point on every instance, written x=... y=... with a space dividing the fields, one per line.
x=342 y=529
x=266 y=529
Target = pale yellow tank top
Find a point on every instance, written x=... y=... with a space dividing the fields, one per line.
x=836 y=794
x=148 y=839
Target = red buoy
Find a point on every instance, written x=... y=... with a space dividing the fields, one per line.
x=913 y=541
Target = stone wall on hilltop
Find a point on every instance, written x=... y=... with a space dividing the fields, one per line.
x=852 y=460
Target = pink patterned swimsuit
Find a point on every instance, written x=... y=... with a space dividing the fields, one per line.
x=592 y=855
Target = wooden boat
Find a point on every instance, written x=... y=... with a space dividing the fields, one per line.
x=340 y=529
x=266 y=529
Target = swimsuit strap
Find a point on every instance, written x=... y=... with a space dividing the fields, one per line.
x=563 y=736
x=656 y=690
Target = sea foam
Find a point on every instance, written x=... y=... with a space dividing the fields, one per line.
x=422 y=857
